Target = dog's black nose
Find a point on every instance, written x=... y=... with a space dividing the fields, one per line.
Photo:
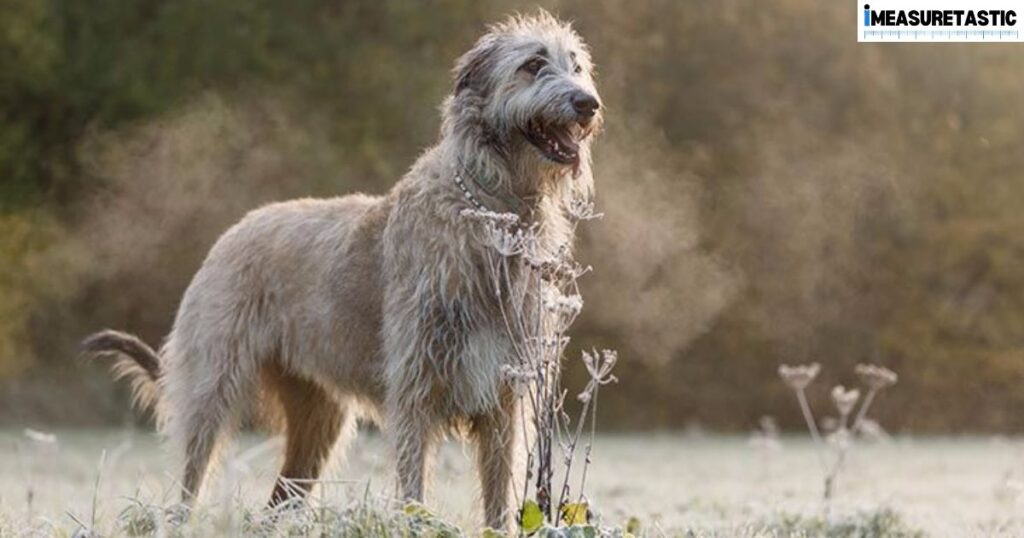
x=584 y=104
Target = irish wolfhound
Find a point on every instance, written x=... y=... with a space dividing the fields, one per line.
x=378 y=307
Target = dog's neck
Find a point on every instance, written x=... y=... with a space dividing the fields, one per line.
x=506 y=178
x=541 y=199
x=487 y=192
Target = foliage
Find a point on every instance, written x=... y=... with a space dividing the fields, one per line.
x=27 y=242
x=367 y=519
x=376 y=521
x=882 y=523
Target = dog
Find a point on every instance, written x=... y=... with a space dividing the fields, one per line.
x=377 y=307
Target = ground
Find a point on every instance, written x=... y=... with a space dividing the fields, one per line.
x=672 y=483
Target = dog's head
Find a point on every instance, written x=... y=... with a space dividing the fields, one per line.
x=528 y=85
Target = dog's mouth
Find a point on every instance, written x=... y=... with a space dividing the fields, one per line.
x=558 y=143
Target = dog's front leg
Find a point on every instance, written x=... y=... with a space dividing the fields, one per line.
x=414 y=439
x=496 y=435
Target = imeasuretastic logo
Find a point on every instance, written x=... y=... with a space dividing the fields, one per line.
x=939 y=20
x=939 y=17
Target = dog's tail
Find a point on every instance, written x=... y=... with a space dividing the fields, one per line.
x=135 y=361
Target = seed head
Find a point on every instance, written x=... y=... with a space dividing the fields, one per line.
x=798 y=377
x=566 y=305
x=876 y=377
x=508 y=242
x=581 y=209
x=518 y=378
x=845 y=399
x=599 y=365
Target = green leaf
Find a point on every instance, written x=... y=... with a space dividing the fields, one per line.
x=491 y=533
x=530 y=518
x=417 y=509
x=574 y=513
x=633 y=525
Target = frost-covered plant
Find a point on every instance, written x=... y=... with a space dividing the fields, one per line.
x=840 y=439
x=766 y=436
x=766 y=441
x=535 y=286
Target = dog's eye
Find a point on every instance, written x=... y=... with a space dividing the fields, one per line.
x=533 y=66
x=577 y=69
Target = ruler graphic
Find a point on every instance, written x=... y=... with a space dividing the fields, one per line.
x=940 y=21
x=939 y=36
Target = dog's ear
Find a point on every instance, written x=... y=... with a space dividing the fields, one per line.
x=472 y=67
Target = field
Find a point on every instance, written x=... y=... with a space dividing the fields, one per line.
x=708 y=485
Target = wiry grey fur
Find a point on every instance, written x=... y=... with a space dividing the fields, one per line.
x=378 y=307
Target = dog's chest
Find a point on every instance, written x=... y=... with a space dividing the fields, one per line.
x=470 y=343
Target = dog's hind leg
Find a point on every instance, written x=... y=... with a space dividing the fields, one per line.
x=203 y=397
x=200 y=447
x=202 y=425
x=315 y=421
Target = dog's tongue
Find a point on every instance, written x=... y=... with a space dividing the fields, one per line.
x=565 y=139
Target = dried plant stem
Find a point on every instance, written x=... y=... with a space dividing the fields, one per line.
x=812 y=427
x=96 y=489
x=571 y=450
x=830 y=478
x=844 y=446
x=589 y=447
x=864 y=407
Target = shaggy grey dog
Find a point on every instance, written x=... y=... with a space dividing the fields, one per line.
x=325 y=311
